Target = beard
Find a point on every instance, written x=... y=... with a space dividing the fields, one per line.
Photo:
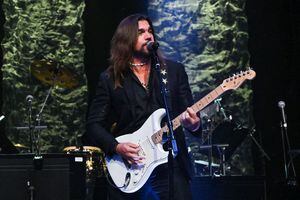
x=145 y=54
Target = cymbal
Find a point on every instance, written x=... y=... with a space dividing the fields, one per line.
x=21 y=146
x=83 y=148
x=51 y=72
x=202 y=162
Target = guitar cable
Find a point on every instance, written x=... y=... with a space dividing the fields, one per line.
x=112 y=184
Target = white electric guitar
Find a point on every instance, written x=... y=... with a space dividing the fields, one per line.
x=130 y=178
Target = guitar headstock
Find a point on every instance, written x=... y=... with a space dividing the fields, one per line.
x=236 y=80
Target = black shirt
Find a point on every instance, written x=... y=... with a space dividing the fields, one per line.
x=145 y=99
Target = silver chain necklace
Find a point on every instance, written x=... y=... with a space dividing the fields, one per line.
x=137 y=64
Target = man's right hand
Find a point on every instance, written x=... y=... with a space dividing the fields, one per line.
x=130 y=152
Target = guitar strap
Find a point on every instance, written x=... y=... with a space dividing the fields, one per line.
x=165 y=86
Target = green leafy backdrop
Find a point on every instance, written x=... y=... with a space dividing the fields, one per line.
x=51 y=30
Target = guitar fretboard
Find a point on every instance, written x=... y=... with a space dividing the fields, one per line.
x=199 y=105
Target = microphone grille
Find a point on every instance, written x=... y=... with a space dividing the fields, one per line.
x=29 y=98
x=281 y=104
x=152 y=46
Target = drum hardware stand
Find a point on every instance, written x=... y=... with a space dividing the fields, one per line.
x=38 y=158
x=290 y=179
x=31 y=127
x=208 y=129
x=250 y=133
x=31 y=190
x=221 y=149
x=218 y=102
x=38 y=116
x=210 y=149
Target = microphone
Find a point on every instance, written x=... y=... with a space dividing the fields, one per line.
x=281 y=105
x=29 y=98
x=152 y=46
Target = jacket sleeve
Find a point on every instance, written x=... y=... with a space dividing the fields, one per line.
x=97 y=125
x=185 y=95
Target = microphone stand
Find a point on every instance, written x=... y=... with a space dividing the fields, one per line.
x=291 y=181
x=250 y=133
x=31 y=128
x=31 y=135
x=171 y=142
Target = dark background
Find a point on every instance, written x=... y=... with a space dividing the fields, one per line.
x=100 y=25
x=274 y=30
x=274 y=39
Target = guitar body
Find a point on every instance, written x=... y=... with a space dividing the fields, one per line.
x=130 y=178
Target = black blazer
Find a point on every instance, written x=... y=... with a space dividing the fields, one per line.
x=115 y=107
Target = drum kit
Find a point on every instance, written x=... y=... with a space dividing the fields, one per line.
x=53 y=73
x=95 y=164
x=220 y=138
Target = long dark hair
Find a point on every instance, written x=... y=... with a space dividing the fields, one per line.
x=122 y=46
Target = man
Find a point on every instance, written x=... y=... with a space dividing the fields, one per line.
x=127 y=94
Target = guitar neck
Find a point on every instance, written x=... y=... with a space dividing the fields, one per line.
x=199 y=105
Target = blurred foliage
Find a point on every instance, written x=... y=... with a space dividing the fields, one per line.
x=51 y=30
x=210 y=38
